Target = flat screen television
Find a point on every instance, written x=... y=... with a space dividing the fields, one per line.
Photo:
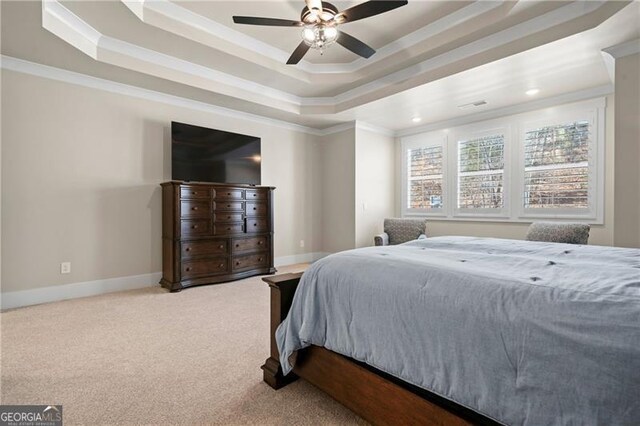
x=200 y=154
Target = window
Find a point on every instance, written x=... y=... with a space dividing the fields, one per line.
x=425 y=177
x=481 y=172
x=542 y=164
x=556 y=166
x=424 y=170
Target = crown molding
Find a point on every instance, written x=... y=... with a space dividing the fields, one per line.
x=565 y=98
x=337 y=128
x=58 y=74
x=71 y=28
x=66 y=25
x=363 y=125
x=170 y=16
x=25 y=67
x=52 y=73
x=358 y=125
x=621 y=50
x=540 y=23
x=60 y=21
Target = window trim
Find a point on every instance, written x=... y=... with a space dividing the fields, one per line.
x=473 y=132
x=595 y=211
x=593 y=110
x=423 y=141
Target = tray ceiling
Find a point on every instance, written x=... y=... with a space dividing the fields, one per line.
x=422 y=50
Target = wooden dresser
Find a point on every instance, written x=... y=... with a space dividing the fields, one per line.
x=213 y=233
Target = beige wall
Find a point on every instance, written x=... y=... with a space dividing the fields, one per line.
x=337 y=156
x=599 y=235
x=627 y=155
x=81 y=168
x=374 y=184
x=80 y=181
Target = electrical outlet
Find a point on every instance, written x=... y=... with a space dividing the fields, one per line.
x=65 y=268
x=301 y=243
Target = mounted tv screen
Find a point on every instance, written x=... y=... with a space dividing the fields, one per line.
x=200 y=154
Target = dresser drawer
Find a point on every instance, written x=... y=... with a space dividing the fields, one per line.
x=228 y=228
x=195 y=227
x=250 y=261
x=229 y=194
x=195 y=208
x=256 y=194
x=195 y=192
x=194 y=268
x=204 y=248
x=223 y=206
x=256 y=209
x=228 y=217
x=239 y=245
x=257 y=225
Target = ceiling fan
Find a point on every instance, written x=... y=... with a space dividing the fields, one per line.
x=320 y=21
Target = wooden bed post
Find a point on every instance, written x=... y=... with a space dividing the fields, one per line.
x=282 y=287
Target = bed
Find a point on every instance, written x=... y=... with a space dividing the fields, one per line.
x=466 y=330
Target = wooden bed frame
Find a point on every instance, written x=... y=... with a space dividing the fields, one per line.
x=374 y=395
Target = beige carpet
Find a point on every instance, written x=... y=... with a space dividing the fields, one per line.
x=151 y=357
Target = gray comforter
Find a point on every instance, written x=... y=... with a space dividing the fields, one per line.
x=522 y=332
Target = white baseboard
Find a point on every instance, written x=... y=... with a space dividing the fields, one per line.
x=16 y=299
x=299 y=258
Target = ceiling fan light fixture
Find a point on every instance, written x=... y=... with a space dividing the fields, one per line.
x=317 y=15
x=320 y=20
x=320 y=36
x=308 y=35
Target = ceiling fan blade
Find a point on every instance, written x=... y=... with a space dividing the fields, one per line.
x=297 y=54
x=354 y=45
x=271 y=22
x=314 y=5
x=370 y=8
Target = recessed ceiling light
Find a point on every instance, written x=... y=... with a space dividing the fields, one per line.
x=532 y=92
x=416 y=119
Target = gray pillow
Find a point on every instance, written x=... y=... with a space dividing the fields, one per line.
x=554 y=232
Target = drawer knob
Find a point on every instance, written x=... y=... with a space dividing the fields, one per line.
x=187 y=249
x=194 y=226
x=255 y=208
x=194 y=208
x=228 y=229
x=259 y=259
x=221 y=246
x=221 y=265
x=259 y=243
x=237 y=245
x=228 y=217
x=255 y=224
x=228 y=193
x=187 y=269
x=228 y=205
x=237 y=263
x=193 y=192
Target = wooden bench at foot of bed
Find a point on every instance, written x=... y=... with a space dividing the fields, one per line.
x=374 y=395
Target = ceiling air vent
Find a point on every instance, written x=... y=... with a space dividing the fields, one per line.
x=473 y=104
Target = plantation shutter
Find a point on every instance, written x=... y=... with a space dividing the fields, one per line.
x=481 y=173
x=425 y=177
x=556 y=174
